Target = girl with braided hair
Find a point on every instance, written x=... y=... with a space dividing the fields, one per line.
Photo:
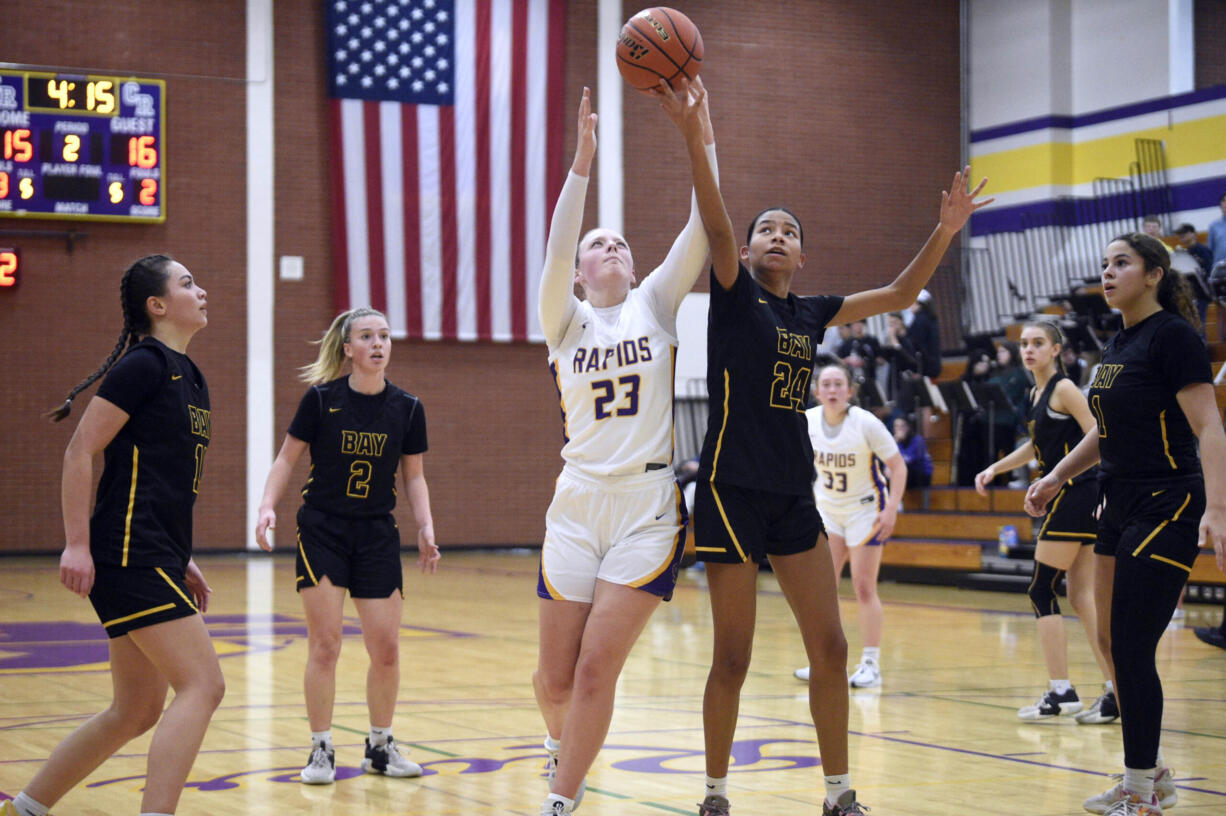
x=132 y=556
x=361 y=430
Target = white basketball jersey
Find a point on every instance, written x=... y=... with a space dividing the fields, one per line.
x=850 y=465
x=614 y=373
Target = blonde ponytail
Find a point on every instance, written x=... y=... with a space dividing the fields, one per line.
x=331 y=360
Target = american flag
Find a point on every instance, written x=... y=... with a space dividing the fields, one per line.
x=447 y=127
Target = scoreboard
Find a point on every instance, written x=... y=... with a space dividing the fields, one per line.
x=82 y=147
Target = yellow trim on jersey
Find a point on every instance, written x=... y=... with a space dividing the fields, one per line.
x=1172 y=562
x=127 y=522
x=176 y=589
x=1158 y=529
x=672 y=555
x=1166 y=443
x=727 y=526
x=719 y=440
x=553 y=593
x=306 y=563
x=1051 y=512
x=557 y=381
x=136 y=615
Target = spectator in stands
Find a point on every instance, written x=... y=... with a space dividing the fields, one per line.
x=859 y=352
x=1198 y=275
x=1013 y=380
x=925 y=335
x=914 y=452
x=1074 y=366
x=1217 y=235
x=900 y=354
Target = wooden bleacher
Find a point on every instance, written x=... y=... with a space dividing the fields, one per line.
x=948 y=530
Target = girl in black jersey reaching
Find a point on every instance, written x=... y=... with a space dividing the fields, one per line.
x=361 y=429
x=1153 y=401
x=1057 y=418
x=132 y=556
x=755 y=479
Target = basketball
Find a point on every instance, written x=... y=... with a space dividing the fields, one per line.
x=658 y=43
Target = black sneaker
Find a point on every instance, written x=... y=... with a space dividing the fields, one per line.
x=1051 y=705
x=1104 y=710
x=1211 y=635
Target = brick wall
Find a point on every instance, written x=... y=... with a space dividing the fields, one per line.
x=846 y=112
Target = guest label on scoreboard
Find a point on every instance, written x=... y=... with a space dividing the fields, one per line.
x=82 y=147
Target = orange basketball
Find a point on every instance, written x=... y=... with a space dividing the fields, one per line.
x=658 y=42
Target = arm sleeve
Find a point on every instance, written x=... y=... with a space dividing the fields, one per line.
x=1178 y=353
x=415 y=430
x=668 y=283
x=306 y=420
x=134 y=379
x=557 y=302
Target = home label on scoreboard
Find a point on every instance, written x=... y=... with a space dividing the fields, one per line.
x=82 y=147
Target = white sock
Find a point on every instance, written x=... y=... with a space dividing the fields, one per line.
x=567 y=804
x=379 y=736
x=1109 y=687
x=836 y=786
x=1140 y=782
x=552 y=745
x=717 y=786
x=28 y=807
x=871 y=653
x=1161 y=761
x=323 y=738
x=1060 y=686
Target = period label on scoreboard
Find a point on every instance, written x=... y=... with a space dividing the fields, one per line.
x=82 y=147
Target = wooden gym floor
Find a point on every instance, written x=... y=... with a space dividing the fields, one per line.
x=941 y=736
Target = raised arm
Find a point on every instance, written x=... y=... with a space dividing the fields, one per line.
x=688 y=110
x=956 y=207
x=557 y=301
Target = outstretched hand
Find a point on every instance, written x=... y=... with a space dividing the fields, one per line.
x=957 y=204
x=585 y=144
x=686 y=106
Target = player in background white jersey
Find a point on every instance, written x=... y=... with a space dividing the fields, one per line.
x=615 y=530
x=852 y=452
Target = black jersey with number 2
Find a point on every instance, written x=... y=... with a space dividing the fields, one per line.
x=151 y=474
x=356 y=443
x=1142 y=432
x=759 y=364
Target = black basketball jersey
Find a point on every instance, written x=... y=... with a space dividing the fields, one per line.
x=151 y=473
x=759 y=364
x=1142 y=432
x=1053 y=435
x=356 y=443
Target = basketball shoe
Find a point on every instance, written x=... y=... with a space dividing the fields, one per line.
x=552 y=767
x=1052 y=704
x=1104 y=710
x=846 y=806
x=386 y=759
x=866 y=675
x=714 y=805
x=1164 y=793
x=321 y=767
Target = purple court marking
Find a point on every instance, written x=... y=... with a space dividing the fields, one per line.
x=42 y=645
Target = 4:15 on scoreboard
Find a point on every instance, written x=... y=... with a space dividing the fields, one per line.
x=82 y=147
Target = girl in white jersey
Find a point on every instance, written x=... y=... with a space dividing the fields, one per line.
x=852 y=450
x=614 y=533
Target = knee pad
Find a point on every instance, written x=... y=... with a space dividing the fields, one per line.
x=1042 y=591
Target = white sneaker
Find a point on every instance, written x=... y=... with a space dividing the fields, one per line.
x=1052 y=704
x=802 y=674
x=552 y=767
x=1164 y=788
x=386 y=759
x=866 y=675
x=552 y=807
x=321 y=767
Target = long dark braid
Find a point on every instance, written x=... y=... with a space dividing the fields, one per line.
x=144 y=279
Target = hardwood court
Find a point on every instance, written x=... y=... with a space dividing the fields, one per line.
x=942 y=735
